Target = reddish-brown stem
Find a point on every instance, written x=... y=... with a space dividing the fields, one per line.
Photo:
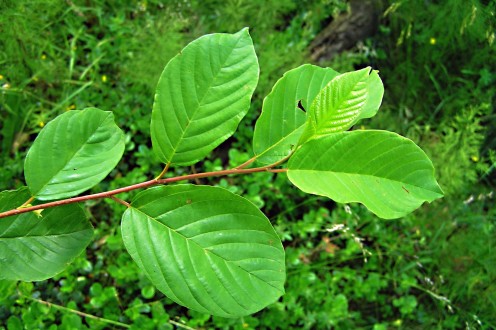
x=278 y=170
x=146 y=184
x=79 y=198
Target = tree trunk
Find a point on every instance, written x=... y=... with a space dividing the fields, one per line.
x=345 y=31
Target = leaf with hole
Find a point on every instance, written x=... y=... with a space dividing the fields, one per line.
x=281 y=123
x=73 y=153
x=34 y=248
x=343 y=102
x=386 y=172
x=205 y=248
x=202 y=95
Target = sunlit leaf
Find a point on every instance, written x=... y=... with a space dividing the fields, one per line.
x=346 y=99
x=36 y=247
x=202 y=95
x=205 y=248
x=72 y=153
x=386 y=172
x=281 y=122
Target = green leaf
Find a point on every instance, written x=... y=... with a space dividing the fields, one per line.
x=7 y=288
x=73 y=153
x=281 y=123
x=34 y=248
x=343 y=102
x=386 y=172
x=205 y=248
x=375 y=92
x=202 y=95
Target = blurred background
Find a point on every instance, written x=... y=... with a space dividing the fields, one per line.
x=347 y=269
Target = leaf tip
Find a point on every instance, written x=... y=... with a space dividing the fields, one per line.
x=439 y=191
x=244 y=31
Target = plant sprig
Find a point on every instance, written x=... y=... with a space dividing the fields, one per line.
x=205 y=247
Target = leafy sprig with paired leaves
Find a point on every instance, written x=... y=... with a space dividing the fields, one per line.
x=203 y=246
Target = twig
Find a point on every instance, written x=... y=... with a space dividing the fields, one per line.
x=141 y=185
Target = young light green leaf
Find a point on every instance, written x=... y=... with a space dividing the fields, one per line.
x=205 y=248
x=375 y=92
x=72 y=153
x=345 y=100
x=36 y=247
x=202 y=95
x=281 y=122
x=386 y=172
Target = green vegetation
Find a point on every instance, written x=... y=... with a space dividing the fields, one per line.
x=204 y=247
x=346 y=268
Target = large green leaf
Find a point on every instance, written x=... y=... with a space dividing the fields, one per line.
x=281 y=122
x=72 y=153
x=36 y=247
x=386 y=172
x=344 y=101
x=202 y=95
x=205 y=248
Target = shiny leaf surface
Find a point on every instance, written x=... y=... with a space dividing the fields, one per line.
x=205 y=248
x=387 y=173
x=202 y=95
x=36 y=247
x=73 y=153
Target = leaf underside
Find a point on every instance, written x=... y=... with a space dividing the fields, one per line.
x=73 y=153
x=202 y=95
x=206 y=248
x=281 y=123
x=36 y=248
x=387 y=173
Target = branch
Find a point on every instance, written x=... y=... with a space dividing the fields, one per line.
x=146 y=184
